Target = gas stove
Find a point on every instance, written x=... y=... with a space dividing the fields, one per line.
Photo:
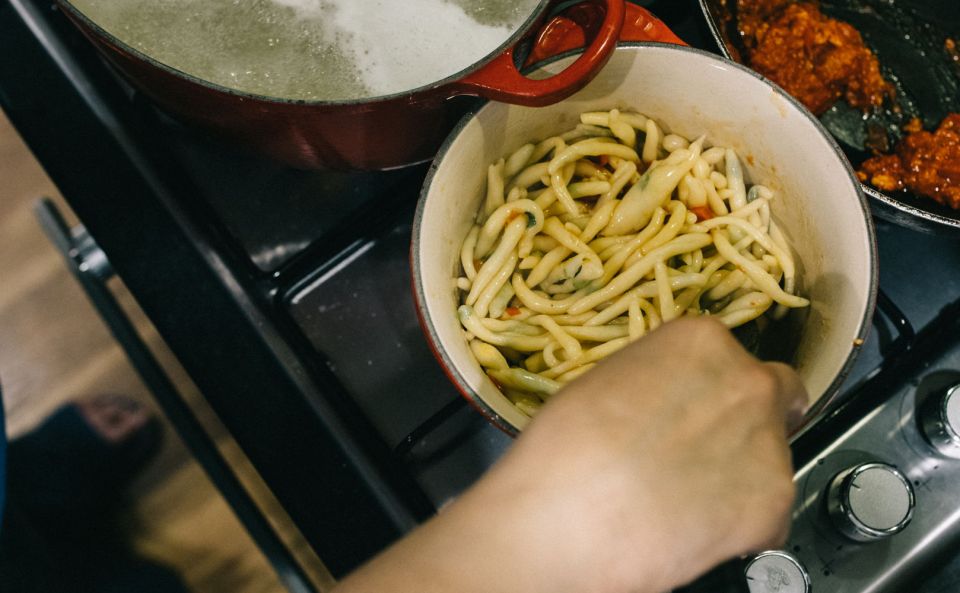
x=876 y=478
x=286 y=296
x=877 y=507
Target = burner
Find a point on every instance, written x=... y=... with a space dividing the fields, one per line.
x=286 y=296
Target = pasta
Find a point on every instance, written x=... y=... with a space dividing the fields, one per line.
x=588 y=240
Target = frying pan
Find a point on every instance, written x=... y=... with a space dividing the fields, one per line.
x=908 y=38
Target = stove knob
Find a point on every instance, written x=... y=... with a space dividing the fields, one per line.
x=776 y=572
x=940 y=421
x=870 y=501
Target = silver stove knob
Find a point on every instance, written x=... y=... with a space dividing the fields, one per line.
x=940 y=421
x=870 y=501
x=776 y=572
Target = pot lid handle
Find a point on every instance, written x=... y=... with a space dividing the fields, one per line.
x=501 y=81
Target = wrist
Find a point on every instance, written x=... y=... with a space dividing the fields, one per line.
x=562 y=531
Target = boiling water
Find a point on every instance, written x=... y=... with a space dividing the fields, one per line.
x=313 y=49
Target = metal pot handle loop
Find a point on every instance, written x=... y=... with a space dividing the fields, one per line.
x=501 y=81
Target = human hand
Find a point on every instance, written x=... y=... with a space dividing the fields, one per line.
x=666 y=460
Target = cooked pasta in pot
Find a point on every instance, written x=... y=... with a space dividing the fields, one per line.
x=588 y=240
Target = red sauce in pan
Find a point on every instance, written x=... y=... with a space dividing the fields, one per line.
x=820 y=60
x=926 y=163
x=815 y=58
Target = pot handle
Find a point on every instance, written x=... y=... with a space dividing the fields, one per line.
x=501 y=81
x=570 y=30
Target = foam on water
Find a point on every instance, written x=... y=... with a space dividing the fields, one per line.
x=313 y=49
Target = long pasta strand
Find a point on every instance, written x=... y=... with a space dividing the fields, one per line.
x=544 y=297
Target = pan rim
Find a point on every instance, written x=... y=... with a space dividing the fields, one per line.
x=919 y=211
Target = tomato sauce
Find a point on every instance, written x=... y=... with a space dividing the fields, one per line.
x=815 y=58
x=926 y=163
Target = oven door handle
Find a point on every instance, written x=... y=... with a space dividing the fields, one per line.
x=90 y=266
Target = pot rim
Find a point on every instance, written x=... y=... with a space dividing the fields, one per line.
x=815 y=410
x=434 y=86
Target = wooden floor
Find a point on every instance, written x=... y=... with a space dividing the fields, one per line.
x=54 y=348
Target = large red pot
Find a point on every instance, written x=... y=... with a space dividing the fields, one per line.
x=376 y=133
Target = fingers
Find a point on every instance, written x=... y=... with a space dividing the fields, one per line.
x=792 y=399
x=792 y=396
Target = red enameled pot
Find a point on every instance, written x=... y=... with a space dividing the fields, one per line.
x=370 y=134
x=822 y=211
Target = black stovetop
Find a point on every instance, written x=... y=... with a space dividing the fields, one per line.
x=285 y=294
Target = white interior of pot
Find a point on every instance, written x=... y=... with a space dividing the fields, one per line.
x=818 y=204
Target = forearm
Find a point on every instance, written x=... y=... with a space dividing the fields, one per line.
x=481 y=543
x=507 y=534
x=611 y=488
